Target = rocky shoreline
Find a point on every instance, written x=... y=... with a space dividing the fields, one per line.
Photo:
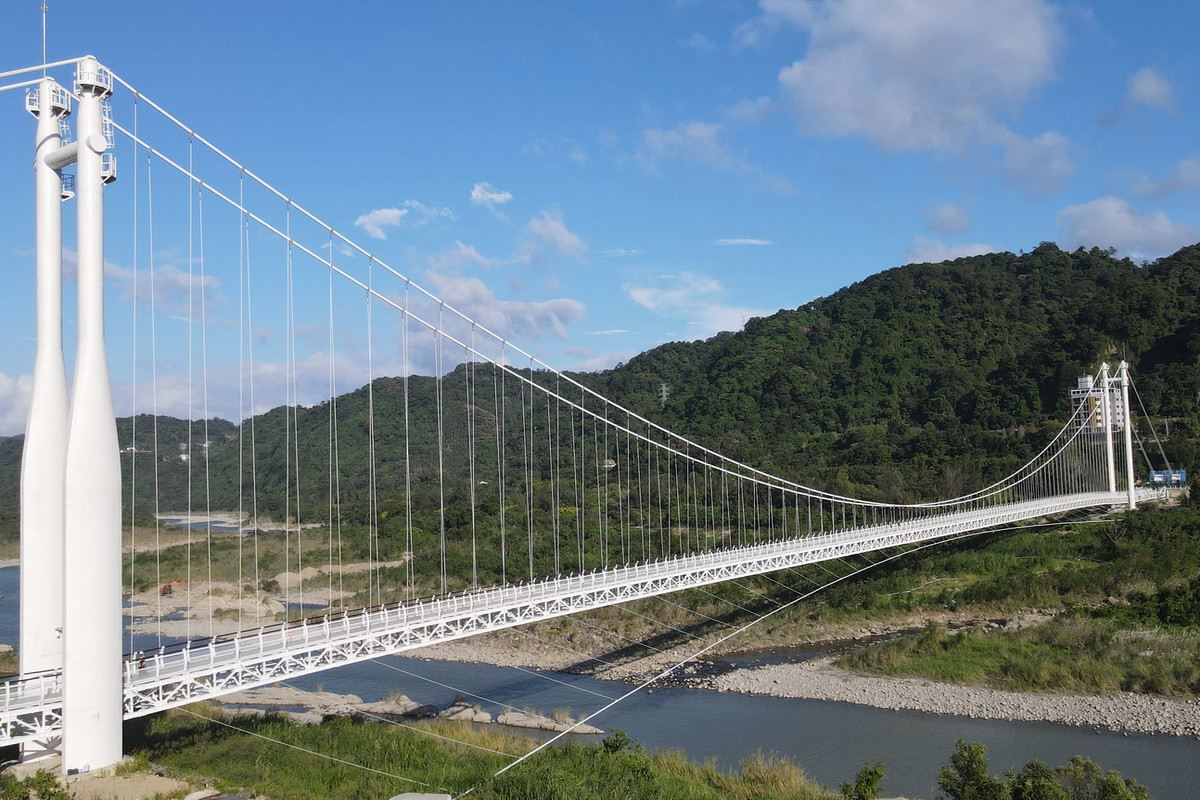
x=820 y=679
x=395 y=708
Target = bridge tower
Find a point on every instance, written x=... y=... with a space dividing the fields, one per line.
x=73 y=473
x=43 y=459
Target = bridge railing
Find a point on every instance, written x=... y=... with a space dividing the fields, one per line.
x=316 y=632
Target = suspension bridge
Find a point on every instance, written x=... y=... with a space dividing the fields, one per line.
x=462 y=487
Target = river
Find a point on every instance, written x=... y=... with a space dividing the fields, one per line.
x=830 y=740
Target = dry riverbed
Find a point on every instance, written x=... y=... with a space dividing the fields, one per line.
x=394 y=708
x=820 y=679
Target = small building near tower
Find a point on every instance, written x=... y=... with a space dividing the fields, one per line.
x=1088 y=396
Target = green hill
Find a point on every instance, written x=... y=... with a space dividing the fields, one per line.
x=918 y=381
x=944 y=371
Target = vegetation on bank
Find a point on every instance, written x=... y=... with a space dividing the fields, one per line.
x=1130 y=618
x=268 y=756
x=615 y=768
x=967 y=777
x=1067 y=655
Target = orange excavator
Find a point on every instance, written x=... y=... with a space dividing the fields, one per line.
x=166 y=589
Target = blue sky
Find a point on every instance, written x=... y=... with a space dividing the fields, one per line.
x=596 y=179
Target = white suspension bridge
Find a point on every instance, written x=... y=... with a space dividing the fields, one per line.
x=494 y=493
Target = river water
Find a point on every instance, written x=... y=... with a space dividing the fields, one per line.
x=830 y=740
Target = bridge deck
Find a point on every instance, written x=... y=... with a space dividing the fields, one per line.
x=30 y=707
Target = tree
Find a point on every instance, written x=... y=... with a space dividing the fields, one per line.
x=967 y=778
x=1036 y=781
x=866 y=783
x=1083 y=779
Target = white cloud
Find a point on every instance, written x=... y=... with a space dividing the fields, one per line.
x=1112 y=222
x=1147 y=87
x=512 y=320
x=915 y=74
x=483 y=194
x=373 y=222
x=619 y=252
x=700 y=42
x=756 y=242
x=1041 y=165
x=414 y=214
x=929 y=251
x=610 y=332
x=14 y=403
x=948 y=218
x=549 y=230
x=1184 y=176
x=695 y=299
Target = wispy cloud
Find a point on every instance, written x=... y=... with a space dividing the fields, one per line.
x=549 y=232
x=510 y=319
x=730 y=242
x=374 y=222
x=947 y=218
x=698 y=142
x=172 y=289
x=413 y=214
x=930 y=251
x=484 y=194
x=1148 y=87
x=694 y=298
x=1184 y=176
x=610 y=332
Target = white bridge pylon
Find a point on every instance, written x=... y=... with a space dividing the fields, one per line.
x=630 y=488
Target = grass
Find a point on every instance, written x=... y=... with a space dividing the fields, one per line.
x=1062 y=655
x=252 y=761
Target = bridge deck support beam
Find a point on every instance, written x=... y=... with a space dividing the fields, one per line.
x=92 y=689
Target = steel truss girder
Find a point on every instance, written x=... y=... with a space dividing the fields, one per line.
x=265 y=656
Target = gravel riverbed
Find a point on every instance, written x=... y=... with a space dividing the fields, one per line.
x=819 y=679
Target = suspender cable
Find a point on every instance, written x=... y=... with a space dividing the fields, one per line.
x=440 y=368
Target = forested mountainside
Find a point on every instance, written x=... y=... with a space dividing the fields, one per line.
x=895 y=379
x=918 y=381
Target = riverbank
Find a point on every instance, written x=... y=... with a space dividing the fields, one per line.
x=319 y=705
x=821 y=679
